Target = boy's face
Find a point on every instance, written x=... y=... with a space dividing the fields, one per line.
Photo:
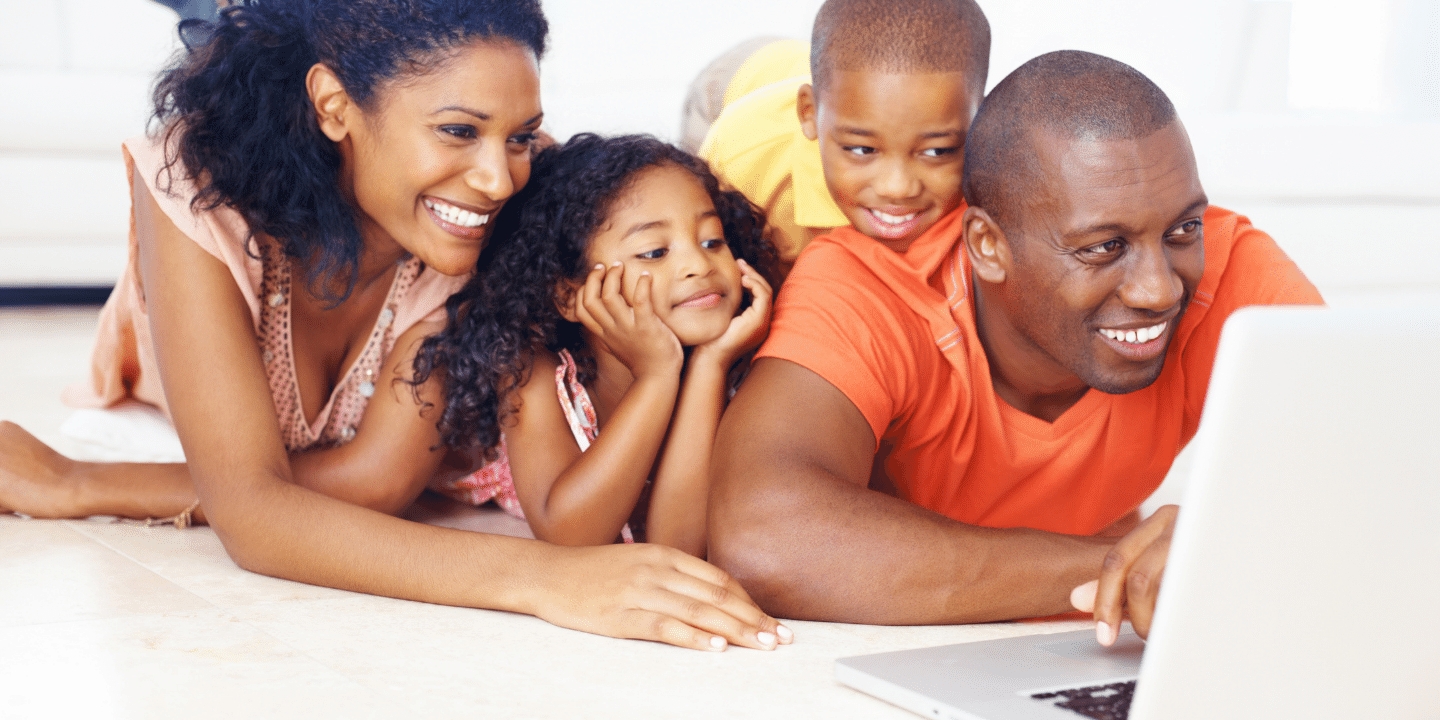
x=892 y=146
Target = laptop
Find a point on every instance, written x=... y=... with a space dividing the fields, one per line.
x=1304 y=572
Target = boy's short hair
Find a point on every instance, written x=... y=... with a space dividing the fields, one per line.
x=900 y=36
x=1068 y=93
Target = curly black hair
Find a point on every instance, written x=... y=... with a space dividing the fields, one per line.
x=236 y=117
x=508 y=310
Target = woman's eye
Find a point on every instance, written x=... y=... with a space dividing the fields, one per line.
x=526 y=139
x=655 y=254
x=461 y=132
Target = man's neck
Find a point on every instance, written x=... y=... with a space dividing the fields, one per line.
x=1023 y=376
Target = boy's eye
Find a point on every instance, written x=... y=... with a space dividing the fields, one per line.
x=940 y=151
x=858 y=149
x=462 y=132
x=655 y=254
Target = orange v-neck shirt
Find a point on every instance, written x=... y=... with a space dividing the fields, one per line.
x=896 y=334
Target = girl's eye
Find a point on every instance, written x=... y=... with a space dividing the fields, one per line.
x=655 y=254
x=713 y=244
x=461 y=132
x=858 y=149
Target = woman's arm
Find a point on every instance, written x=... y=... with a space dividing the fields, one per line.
x=575 y=498
x=211 y=371
x=682 y=480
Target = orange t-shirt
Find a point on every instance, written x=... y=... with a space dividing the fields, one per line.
x=896 y=334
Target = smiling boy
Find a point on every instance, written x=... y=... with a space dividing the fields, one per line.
x=883 y=115
x=1014 y=384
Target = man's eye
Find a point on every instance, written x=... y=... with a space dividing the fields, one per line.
x=655 y=254
x=462 y=132
x=1104 y=250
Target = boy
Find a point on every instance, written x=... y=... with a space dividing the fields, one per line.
x=882 y=117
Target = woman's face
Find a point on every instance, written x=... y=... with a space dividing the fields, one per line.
x=432 y=162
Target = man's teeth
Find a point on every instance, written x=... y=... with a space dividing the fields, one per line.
x=893 y=219
x=456 y=216
x=1143 y=335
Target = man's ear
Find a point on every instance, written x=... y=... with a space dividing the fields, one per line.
x=333 y=106
x=565 y=300
x=987 y=246
x=806 y=106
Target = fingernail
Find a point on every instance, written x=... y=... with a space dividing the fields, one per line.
x=784 y=632
x=1106 y=634
x=765 y=638
x=599 y=266
x=717 y=642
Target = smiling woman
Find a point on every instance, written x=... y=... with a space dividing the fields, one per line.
x=321 y=181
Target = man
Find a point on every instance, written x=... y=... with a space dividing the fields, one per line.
x=948 y=434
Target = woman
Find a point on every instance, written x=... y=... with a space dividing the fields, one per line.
x=322 y=178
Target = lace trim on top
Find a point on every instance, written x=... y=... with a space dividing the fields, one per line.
x=338 y=420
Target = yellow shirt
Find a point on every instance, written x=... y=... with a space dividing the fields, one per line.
x=756 y=146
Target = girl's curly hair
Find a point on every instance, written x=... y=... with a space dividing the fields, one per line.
x=508 y=309
x=237 y=120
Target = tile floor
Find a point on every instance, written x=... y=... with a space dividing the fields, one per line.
x=102 y=620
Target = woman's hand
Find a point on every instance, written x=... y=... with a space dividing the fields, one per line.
x=629 y=327
x=34 y=479
x=748 y=329
x=652 y=592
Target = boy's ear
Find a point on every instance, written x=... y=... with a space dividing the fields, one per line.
x=806 y=105
x=333 y=106
x=565 y=300
x=987 y=246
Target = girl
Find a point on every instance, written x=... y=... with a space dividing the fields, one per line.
x=600 y=339
x=323 y=174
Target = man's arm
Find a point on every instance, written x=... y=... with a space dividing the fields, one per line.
x=792 y=519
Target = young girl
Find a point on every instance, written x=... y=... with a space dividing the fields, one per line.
x=600 y=340
x=322 y=177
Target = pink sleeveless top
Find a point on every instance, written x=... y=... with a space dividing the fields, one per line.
x=123 y=363
x=494 y=482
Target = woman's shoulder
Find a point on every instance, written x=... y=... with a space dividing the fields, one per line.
x=222 y=232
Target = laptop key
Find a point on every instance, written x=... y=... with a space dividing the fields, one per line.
x=1101 y=702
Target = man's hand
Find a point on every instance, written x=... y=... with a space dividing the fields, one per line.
x=1129 y=578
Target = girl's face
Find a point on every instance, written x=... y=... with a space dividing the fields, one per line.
x=665 y=224
x=439 y=154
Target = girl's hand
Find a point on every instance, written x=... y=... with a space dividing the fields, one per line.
x=653 y=592
x=628 y=326
x=748 y=329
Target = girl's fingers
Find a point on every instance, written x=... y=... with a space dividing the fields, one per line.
x=641 y=301
x=588 y=302
x=612 y=293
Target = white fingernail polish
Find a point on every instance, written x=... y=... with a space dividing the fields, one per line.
x=784 y=633
x=717 y=642
x=765 y=638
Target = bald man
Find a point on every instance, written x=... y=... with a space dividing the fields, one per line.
x=957 y=432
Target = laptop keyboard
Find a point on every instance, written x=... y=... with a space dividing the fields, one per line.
x=1102 y=702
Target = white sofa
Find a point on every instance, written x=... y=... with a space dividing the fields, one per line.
x=75 y=78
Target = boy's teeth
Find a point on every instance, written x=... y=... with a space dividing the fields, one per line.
x=1143 y=335
x=894 y=219
x=455 y=215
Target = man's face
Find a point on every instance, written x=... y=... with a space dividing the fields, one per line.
x=892 y=146
x=1105 y=258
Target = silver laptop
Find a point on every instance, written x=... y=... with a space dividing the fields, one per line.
x=1304 y=574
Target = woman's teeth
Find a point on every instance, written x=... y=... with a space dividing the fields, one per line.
x=1143 y=335
x=889 y=219
x=456 y=216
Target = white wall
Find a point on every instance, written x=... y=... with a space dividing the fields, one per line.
x=1319 y=118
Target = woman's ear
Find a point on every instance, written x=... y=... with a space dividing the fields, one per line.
x=334 y=110
x=986 y=244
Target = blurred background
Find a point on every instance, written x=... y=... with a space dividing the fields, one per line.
x=1318 y=118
